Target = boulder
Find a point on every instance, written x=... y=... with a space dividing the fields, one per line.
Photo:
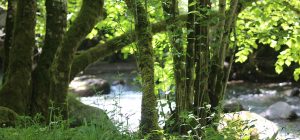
x=8 y=117
x=119 y=82
x=257 y=126
x=81 y=114
x=89 y=87
x=280 y=110
x=292 y=92
x=295 y=92
x=232 y=106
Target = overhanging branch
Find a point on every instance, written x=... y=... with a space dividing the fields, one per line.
x=100 y=51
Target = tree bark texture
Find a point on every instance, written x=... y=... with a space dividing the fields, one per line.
x=217 y=46
x=202 y=61
x=171 y=11
x=84 y=58
x=58 y=55
x=190 y=55
x=217 y=96
x=149 y=113
x=9 y=27
x=88 y=16
x=16 y=92
x=56 y=22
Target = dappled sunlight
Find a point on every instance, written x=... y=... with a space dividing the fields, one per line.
x=263 y=127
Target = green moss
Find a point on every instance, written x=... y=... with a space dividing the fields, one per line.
x=88 y=16
x=80 y=113
x=7 y=117
x=149 y=114
x=15 y=92
x=55 y=29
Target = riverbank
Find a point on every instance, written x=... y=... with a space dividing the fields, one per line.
x=123 y=103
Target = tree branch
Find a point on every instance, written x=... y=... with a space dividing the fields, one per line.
x=88 y=16
x=85 y=58
x=56 y=23
x=100 y=51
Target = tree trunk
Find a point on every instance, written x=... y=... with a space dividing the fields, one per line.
x=232 y=55
x=56 y=23
x=88 y=16
x=175 y=34
x=87 y=57
x=149 y=114
x=9 y=27
x=202 y=61
x=190 y=55
x=216 y=47
x=84 y=58
x=16 y=92
x=218 y=94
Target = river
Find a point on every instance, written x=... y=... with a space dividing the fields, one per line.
x=123 y=104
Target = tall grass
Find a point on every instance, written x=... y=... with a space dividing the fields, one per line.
x=28 y=129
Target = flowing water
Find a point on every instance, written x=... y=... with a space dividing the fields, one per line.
x=123 y=104
x=258 y=97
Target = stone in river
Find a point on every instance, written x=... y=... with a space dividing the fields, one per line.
x=280 y=110
x=84 y=87
x=232 y=106
x=295 y=92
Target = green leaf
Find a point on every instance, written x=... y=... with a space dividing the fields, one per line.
x=193 y=3
x=296 y=74
x=280 y=62
x=273 y=43
x=278 y=69
x=285 y=26
x=287 y=62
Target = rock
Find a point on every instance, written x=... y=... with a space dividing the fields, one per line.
x=280 y=110
x=293 y=116
x=232 y=106
x=257 y=126
x=89 y=87
x=8 y=117
x=295 y=92
x=256 y=91
x=80 y=114
x=99 y=85
x=119 y=82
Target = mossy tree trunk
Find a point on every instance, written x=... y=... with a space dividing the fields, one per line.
x=218 y=93
x=171 y=11
x=149 y=113
x=84 y=58
x=16 y=92
x=40 y=90
x=88 y=16
x=232 y=54
x=190 y=54
x=216 y=47
x=9 y=25
x=201 y=97
x=56 y=22
x=210 y=50
x=59 y=49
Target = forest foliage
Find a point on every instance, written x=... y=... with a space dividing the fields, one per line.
x=180 y=47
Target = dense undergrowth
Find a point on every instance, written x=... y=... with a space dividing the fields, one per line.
x=61 y=130
x=90 y=124
x=30 y=129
